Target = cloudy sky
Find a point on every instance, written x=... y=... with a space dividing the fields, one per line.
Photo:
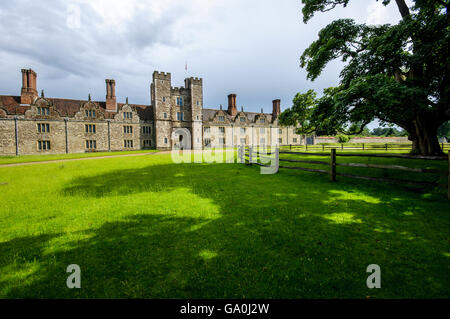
x=247 y=47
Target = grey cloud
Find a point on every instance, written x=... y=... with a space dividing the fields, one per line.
x=247 y=47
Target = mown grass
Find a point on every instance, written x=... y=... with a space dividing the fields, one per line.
x=52 y=157
x=145 y=227
x=440 y=178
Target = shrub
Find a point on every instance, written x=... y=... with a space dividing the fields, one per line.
x=343 y=138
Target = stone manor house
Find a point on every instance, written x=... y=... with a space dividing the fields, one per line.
x=176 y=118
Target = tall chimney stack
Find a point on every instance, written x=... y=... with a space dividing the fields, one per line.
x=232 y=110
x=29 y=91
x=111 y=104
x=276 y=108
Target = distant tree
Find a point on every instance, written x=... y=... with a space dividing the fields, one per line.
x=398 y=74
x=365 y=132
x=343 y=138
x=388 y=131
x=444 y=130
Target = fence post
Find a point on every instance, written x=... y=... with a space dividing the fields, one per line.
x=306 y=145
x=442 y=146
x=277 y=158
x=323 y=147
x=448 y=185
x=241 y=154
x=290 y=147
x=363 y=146
x=386 y=147
x=250 y=155
x=342 y=146
x=333 y=165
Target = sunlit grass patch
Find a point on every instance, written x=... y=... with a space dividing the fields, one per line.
x=145 y=227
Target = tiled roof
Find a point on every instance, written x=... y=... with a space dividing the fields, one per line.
x=12 y=104
x=69 y=107
x=208 y=115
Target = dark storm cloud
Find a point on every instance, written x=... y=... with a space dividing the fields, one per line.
x=246 y=47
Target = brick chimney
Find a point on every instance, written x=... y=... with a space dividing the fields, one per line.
x=232 y=110
x=29 y=91
x=276 y=108
x=111 y=104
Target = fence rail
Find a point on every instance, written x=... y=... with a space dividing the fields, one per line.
x=360 y=146
x=249 y=156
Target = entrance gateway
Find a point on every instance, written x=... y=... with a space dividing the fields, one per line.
x=181 y=138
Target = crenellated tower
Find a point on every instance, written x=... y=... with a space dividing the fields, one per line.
x=160 y=91
x=195 y=86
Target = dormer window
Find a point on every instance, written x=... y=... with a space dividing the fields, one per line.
x=261 y=120
x=221 y=118
x=43 y=111
x=90 y=113
x=127 y=115
x=242 y=119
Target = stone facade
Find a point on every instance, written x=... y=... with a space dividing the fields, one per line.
x=176 y=118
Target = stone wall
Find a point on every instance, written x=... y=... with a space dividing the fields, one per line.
x=28 y=136
x=368 y=139
x=7 y=137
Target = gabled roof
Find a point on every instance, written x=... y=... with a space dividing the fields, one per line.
x=69 y=107
x=208 y=115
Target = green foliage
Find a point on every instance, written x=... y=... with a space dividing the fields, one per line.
x=300 y=113
x=388 y=131
x=343 y=138
x=394 y=73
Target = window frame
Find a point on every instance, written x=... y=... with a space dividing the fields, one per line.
x=43 y=145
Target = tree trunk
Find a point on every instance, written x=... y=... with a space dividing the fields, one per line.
x=424 y=138
x=403 y=8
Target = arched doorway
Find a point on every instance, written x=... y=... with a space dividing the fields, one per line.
x=181 y=138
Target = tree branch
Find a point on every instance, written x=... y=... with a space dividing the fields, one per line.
x=403 y=8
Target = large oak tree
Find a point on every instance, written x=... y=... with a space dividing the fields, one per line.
x=394 y=73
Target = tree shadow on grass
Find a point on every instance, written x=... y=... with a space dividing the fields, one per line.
x=275 y=236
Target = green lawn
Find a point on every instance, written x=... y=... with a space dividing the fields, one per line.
x=144 y=227
x=52 y=157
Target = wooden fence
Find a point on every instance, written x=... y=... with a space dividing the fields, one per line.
x=249 y=156
x=359 y=146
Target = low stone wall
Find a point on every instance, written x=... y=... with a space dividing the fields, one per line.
x=368 y=139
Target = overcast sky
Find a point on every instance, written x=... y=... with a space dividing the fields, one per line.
x=247 y=47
